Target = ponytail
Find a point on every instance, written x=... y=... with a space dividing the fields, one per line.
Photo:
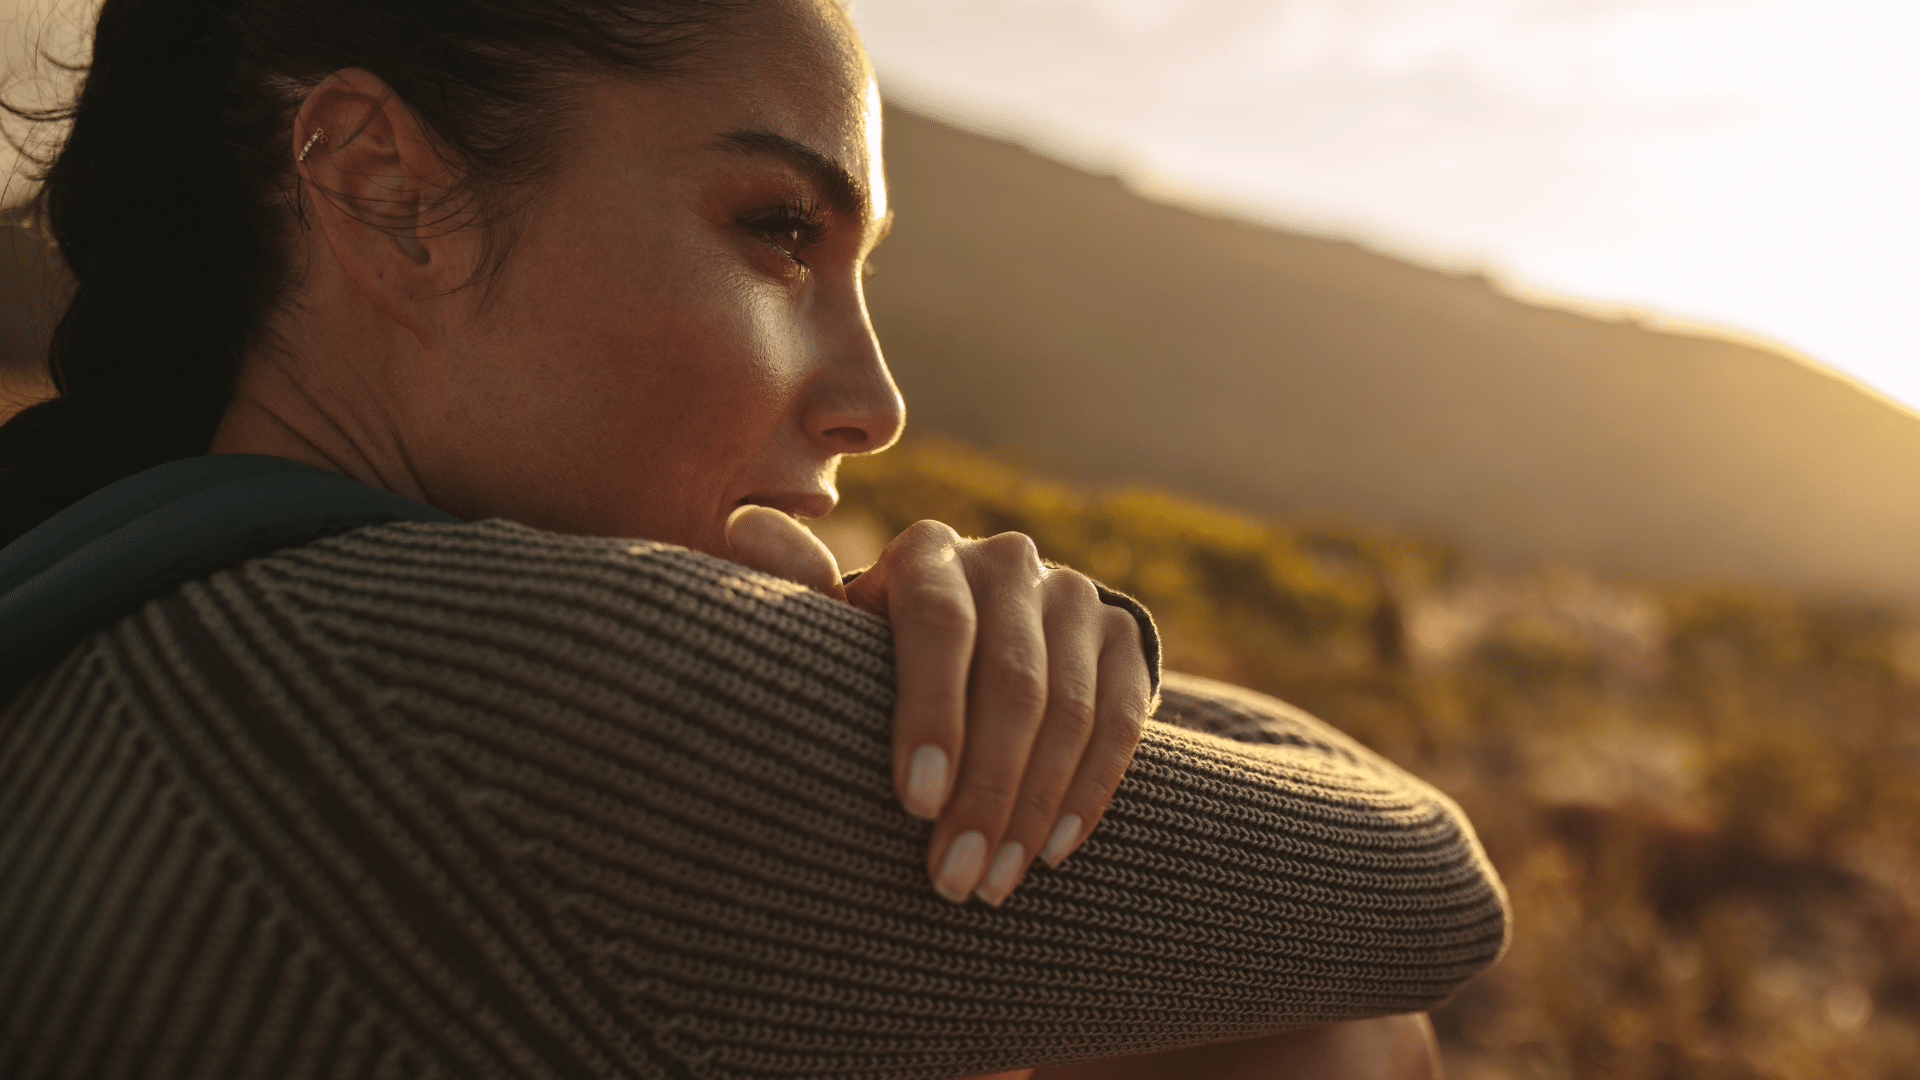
x=173 y=199
x=166 y=281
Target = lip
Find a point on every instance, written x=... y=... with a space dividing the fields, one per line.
x=798 y=504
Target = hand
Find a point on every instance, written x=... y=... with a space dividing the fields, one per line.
x=1021 y=695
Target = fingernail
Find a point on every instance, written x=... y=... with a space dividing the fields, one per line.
x=927 y=782
x=1002 y=875
x=1065 y=832
x=962 y=867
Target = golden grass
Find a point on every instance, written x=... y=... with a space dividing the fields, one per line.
x=1702 y=799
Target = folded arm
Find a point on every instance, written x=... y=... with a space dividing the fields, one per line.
x=512 y=803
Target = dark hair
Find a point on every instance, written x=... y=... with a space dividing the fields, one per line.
x=174 y=195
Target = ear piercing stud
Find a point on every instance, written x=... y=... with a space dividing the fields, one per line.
x=319 y=136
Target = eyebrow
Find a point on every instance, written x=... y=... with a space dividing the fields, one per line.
x=843 y=190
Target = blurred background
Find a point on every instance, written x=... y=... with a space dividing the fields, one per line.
x=1744 y=162
x=1523 y=385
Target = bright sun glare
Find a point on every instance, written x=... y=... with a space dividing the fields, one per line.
x=1748 y=163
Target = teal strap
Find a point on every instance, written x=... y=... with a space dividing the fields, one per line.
x=109 y=553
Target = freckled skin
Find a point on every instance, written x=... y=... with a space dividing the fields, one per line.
x=650 y=355
x=651 y=363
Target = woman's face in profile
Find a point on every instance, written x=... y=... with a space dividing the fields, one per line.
x=679 y=327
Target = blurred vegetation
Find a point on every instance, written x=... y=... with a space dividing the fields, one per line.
x=1702 y=799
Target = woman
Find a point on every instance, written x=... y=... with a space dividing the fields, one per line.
x=476 y=793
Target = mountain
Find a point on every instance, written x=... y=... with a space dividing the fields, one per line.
x=1057 y=318
x=1062 y=321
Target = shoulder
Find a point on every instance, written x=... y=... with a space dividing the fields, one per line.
x=497 y=573
x=1248 y=716
x=509 y=614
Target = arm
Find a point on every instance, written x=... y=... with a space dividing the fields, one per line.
x=1398 y=1047
x=523 y=804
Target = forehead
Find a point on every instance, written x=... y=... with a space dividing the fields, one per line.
x=796 y=67
x=790 y=72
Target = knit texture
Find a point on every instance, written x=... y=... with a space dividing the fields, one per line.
x=483 y=801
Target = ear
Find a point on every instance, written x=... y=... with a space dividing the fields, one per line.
x=379 y=191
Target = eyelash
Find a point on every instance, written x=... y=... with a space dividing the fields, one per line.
x=801 y=223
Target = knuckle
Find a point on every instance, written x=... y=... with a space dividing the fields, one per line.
x=928 y=532
x=991 y=790
x=1012 y=547
x=1130 y=723
x=1124 y=721
x=1120 y=623
x=1071 y=707
x=1031 y=811
x=1073 y=587
x=942 y=612
x=1021 y=689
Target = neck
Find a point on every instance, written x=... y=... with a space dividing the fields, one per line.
x=328 y=403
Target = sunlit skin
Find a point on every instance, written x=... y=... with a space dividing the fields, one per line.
x=675 y=336
x=678 y=328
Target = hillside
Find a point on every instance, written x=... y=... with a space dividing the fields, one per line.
x=1057 y=319
x=1712 y=878
x=1054 y=317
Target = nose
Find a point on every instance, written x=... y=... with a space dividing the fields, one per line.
x=854 y=407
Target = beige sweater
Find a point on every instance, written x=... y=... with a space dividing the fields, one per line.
x=481 y=801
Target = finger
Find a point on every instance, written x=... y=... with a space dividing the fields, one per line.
x=1120 y=716
x=1006 y=698
x=764 y=539
x=922 y=588
x=1075 y=631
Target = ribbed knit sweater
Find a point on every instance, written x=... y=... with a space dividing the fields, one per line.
x=483 y=801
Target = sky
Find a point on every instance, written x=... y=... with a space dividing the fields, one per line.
x=1752 y=164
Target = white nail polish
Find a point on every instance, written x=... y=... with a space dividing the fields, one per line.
x=927 y=782
x=962 y=866
x=1002 y=874
x=1065 y=832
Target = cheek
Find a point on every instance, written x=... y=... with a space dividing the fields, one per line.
x=692 y=375
x=713 y=360
x=632 y=386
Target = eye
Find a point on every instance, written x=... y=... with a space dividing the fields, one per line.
x=791 y=227
x=790 y=239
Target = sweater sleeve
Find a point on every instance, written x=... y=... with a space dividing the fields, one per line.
x=478 y=800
